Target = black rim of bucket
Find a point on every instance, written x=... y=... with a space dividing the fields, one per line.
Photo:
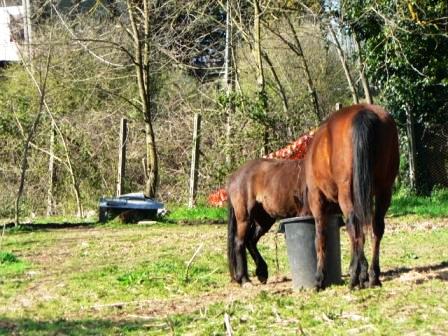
x=304 y=220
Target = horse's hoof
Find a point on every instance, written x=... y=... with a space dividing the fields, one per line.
x=263 y=278
x=363 y=280
x=319 y=285
x=354 y=282
x=363 y=284
x=320 y=280
x=375 y=283
x=247 y=284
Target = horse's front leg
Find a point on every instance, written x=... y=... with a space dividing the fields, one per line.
x=317 y=205
x=321 y=247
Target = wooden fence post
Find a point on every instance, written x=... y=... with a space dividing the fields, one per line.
x=194 y=160
x=122 y=155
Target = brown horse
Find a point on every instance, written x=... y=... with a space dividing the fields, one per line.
x=353 y=161
x=258 y=193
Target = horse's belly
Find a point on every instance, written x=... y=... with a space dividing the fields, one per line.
x=279 y=206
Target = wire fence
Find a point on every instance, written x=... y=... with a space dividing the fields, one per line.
x=436 y=145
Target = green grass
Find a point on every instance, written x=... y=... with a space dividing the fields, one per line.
x=12 y=275
x=10 y=265
x=405 y=203
x=132 y=280
x=198 y=213
x=334 y=312
x=8 y=258
x=120 y=279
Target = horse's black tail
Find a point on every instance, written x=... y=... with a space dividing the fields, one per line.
x=365 y=125
x=231 y=232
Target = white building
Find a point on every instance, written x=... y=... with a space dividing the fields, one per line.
x=11 y=18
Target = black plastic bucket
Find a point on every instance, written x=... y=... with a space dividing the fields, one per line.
x=300 y=233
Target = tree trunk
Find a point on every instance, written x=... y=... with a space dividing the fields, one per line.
x=50 y=210
x=229 y=83
x=296 y=47
x=41 y=88
x=362 y=73
x=281 y=89
x=152 y=169
x=343 y=60
x=141 y=45
x=28 y=27
x=412 y=151
x=24 y=165
x=261 y=99
x=309 y=81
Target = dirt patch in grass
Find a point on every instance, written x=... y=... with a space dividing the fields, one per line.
x=414 y=223
x=162 y=308
x=278 y=285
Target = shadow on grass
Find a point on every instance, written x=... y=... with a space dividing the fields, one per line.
x=49 y=226
x=80 y=327
x=437 y=271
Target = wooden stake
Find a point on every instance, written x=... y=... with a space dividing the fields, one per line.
x=122 y=155
x=194 y=160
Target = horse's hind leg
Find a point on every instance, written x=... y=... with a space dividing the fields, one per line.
x=382 y=202
x=255 y=233
x=358 y=268
x=358 y=264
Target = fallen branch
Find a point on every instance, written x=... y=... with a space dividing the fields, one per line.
x=229 y=330
x=191 y=261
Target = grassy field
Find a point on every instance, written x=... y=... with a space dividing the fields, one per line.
x=142 y=280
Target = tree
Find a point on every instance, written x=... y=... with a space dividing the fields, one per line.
x=141 y=37
x=406 y=47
